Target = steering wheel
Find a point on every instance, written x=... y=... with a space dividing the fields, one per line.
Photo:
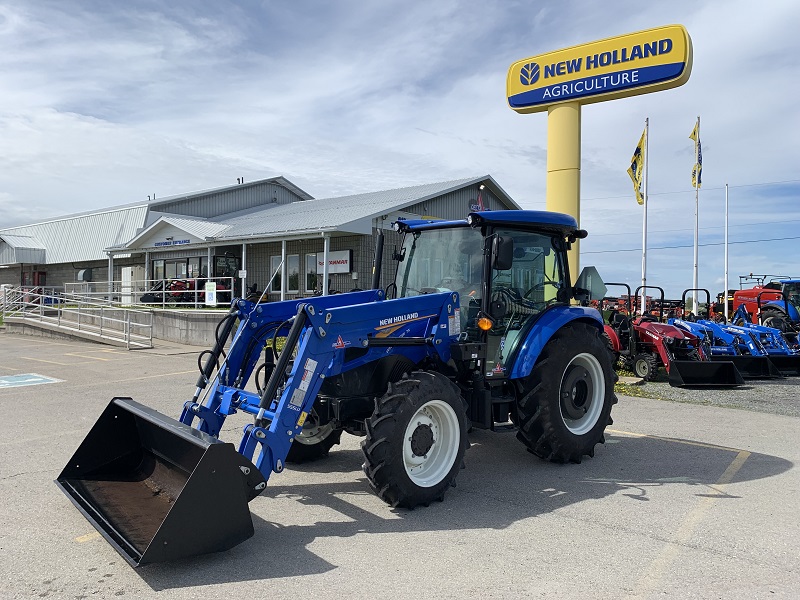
x=540 y=287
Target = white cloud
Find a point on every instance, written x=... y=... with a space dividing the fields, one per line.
x=107 y=103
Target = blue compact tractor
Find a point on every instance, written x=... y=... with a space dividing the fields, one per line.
x=478 y=330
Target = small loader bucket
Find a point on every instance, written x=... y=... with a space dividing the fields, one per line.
x=787 y=364
x=752 y=367
x=158 y=490
x=703 y=373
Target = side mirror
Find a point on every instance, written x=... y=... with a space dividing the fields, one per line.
x=502 y=252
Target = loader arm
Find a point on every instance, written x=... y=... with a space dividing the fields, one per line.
x=322 y=330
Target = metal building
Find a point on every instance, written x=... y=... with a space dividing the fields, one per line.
x=267 y=231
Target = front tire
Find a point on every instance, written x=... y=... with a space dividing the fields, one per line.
x=565 y=403
x=645 y=365
x=415 y=441
x=314 y=441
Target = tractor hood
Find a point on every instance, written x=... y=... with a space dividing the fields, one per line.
x=662 y=330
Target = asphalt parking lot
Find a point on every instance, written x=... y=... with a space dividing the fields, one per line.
x=683 y=501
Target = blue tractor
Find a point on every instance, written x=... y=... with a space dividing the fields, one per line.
x=478 y=330
x=774 y=303
x=728 y=343
x=781 y=348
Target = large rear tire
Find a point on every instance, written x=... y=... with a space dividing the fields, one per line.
x=416 y=440
x=565 y=403
x=775 y=319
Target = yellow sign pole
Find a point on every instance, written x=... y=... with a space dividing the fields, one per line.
x=563 y=192
x=561 y=81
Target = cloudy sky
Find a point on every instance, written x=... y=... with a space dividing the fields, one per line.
x=104 y=103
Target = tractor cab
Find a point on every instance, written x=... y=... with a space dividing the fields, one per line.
x=507 y=269
x=792 y=291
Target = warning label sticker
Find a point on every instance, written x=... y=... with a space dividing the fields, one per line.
x=297 y=398
x=454 y=323
x=308 y=373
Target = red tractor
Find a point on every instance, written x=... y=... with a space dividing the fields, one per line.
x=774 y=303
x=645 y=343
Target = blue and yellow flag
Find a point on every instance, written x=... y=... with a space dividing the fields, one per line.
x=636 y=170
x=697 y=170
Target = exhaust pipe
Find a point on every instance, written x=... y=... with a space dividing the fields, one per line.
x=158 y=490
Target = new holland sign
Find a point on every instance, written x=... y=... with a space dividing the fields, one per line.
x=636 y=63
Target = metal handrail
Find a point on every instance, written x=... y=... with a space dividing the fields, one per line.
x=184 y=292
x=71 y=313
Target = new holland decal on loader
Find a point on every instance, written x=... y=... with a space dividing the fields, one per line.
x=477 y=329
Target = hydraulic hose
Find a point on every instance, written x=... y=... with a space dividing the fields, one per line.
x=283 y=361
x=212 y=361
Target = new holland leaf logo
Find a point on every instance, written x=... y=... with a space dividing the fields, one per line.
x=529 y=74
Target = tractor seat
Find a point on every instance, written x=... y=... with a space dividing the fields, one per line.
x=619 y=321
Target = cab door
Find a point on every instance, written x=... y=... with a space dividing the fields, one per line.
x=521 y=293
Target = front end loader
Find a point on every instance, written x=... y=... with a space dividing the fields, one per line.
x=725 y=343
x=478 y=330
x=772 y=341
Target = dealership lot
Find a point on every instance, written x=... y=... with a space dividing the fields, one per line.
x=684 y=500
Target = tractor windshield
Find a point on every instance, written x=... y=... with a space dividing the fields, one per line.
x=440 y=260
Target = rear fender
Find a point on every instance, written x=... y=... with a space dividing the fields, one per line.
x=543 y=329
x=616 y=346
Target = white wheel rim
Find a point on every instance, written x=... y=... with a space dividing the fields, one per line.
x=592 y=400
x=314 y=435
x=641 y=367
x=430 y=468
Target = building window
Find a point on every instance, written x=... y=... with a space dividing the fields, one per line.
x=275 y=273
x=226 y=266
x=158 y=269
x=311 y=273
x=194 y=267
x=175 y=268
x=293 y=273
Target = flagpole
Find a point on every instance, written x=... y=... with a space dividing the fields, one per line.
x=726 y=252
x=644 y=216
x=696 y=219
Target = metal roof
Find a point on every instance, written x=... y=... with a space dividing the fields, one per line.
x=200 y=228
x=82 y=237
x=18 y=249
x=280 y=180
x=85 y=236
x=327 y=214
x=21 y=241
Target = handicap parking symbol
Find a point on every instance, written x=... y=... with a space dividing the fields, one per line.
x=10 y=381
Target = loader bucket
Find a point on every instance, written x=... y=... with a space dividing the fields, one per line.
x=787 y=364
x=158 y=490
x=752 y=367
x=703 y=373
